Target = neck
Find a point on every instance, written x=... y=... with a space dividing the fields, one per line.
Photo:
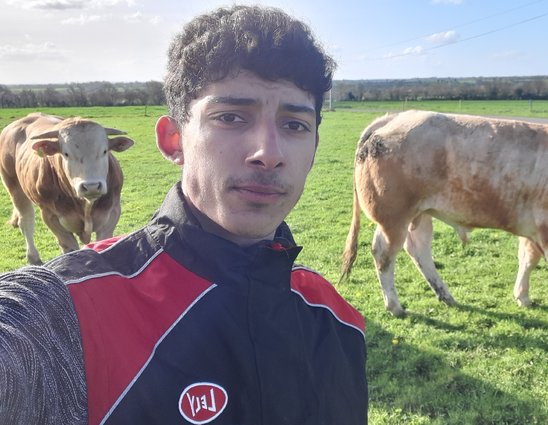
x=212 y=227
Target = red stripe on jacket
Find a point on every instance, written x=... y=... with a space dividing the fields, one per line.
x=317 y=291
x=121 y=321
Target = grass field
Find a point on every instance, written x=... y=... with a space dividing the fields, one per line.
x=482 y=362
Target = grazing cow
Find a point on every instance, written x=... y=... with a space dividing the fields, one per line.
x=467 y=171
x=65 y=167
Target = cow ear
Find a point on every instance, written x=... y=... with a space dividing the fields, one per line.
x=46 y=147
x=53 y=134
x=120 y=144
x=113 y=131
x=168 y=139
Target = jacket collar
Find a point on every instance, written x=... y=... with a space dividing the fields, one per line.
x=212 y=257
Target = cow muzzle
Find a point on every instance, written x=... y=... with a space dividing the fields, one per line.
x=91 y=190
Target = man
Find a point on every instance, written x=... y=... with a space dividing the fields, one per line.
x=201 y=316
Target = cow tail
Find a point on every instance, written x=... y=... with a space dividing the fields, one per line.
x=351 y=247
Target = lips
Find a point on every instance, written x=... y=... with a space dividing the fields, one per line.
x=259 y=193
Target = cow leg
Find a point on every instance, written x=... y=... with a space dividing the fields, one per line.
x=107 y=229
x=66 y=240
x=529 y=255
x=23 y=217
x=418 y=245
x=385 y=249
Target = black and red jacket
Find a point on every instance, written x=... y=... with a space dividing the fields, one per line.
x=180 y=326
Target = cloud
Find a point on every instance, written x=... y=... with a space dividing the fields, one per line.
x=445 y=37
x=30 y=52
x=138 y=18
x=49 y=4
x=82 y=19
x=414 y=51
x=438 y=39
x=89 y=6
x=409 y=51
x=155 y=20
x=68 y=4
x=100 y=4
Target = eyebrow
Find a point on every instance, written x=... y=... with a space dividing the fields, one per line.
x=245 y=101
x=229 y=100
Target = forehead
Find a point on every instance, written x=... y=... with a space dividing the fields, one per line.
x=83 y=129
x=246 y=85
x=88 y=138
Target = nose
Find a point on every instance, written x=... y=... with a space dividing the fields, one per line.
x=91 y=190
x=267 y=149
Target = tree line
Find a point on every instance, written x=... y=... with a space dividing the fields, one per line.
x=478 y=88
x=151 y=92
x=82 y=94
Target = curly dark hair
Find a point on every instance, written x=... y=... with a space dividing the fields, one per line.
x=265 y=41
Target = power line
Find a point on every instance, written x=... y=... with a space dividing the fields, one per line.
x=454 y=27
x=524 y=21
x=483 y=34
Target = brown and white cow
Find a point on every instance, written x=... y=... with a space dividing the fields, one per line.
x=467 y=171
x=66 y=168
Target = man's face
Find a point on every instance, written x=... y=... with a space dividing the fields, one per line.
x=247 y=149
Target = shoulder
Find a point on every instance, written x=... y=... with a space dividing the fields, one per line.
x=121 y=255
x=31 y=283
x=34 y=302
x=318 y=292
x=39 y=343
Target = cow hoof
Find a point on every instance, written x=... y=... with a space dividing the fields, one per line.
x=524 y=302
x=35 y=261
x=397 y=311
x=448 y=300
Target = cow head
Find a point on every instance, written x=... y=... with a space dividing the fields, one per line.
x=84 y=148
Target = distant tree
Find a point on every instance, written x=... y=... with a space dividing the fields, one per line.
x=7 y=98
x=27 y=99
x=155 y=93
x=130 y=96
x=105 y=95
x=51 y=97
x=518 y=92
x=76 y=95
x=540 y=87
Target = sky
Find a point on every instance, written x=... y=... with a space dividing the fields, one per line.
x=72 y=41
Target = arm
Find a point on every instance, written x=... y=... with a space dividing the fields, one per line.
x=42 y=378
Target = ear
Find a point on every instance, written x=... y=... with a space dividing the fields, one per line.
x=120 y=144
x=46 y=147
x=113 y=131
x=168 y=139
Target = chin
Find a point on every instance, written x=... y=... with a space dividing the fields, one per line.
x=246 y=230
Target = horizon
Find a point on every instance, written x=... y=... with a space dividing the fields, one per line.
x=486 y=77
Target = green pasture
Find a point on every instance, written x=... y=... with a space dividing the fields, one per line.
x=504 y=108
x=482 y=362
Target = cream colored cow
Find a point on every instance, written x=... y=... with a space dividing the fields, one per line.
x=66 y=168
x=467 y=171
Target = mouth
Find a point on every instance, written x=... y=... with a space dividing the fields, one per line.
x=261 y=194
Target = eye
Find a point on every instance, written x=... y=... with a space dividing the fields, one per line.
x=296 y=126
x=229 y=118
x=105 y=152
x=66 y=154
